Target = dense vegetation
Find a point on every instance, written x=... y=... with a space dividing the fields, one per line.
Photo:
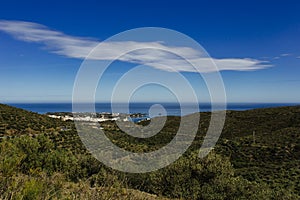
x=257 y=157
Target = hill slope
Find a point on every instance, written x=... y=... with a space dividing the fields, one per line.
x=262 y=146
x=15 y=121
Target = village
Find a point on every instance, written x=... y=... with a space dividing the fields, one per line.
x=98 y=117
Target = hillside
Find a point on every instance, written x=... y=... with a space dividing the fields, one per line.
x=257 y=157
x=15 y=122
x=264 y=145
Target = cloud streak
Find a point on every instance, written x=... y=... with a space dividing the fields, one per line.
x=152 y=54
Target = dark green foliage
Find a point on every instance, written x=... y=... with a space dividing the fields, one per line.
x=257 y=157
x=16 y=122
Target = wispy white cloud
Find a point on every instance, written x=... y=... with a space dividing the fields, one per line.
x=285 y=54
x=79 y=47
x=55 y=41
x=282 y=55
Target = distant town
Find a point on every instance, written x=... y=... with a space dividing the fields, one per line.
x=98 y=117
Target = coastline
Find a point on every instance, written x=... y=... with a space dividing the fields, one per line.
x=171 y=108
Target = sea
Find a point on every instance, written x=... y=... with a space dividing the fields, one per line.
x=170 y=109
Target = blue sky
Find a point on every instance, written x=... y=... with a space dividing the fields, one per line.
x=260 y=35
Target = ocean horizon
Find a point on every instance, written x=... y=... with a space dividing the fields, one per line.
x=172 y=109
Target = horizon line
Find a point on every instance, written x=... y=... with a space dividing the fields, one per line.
x=152 y=102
